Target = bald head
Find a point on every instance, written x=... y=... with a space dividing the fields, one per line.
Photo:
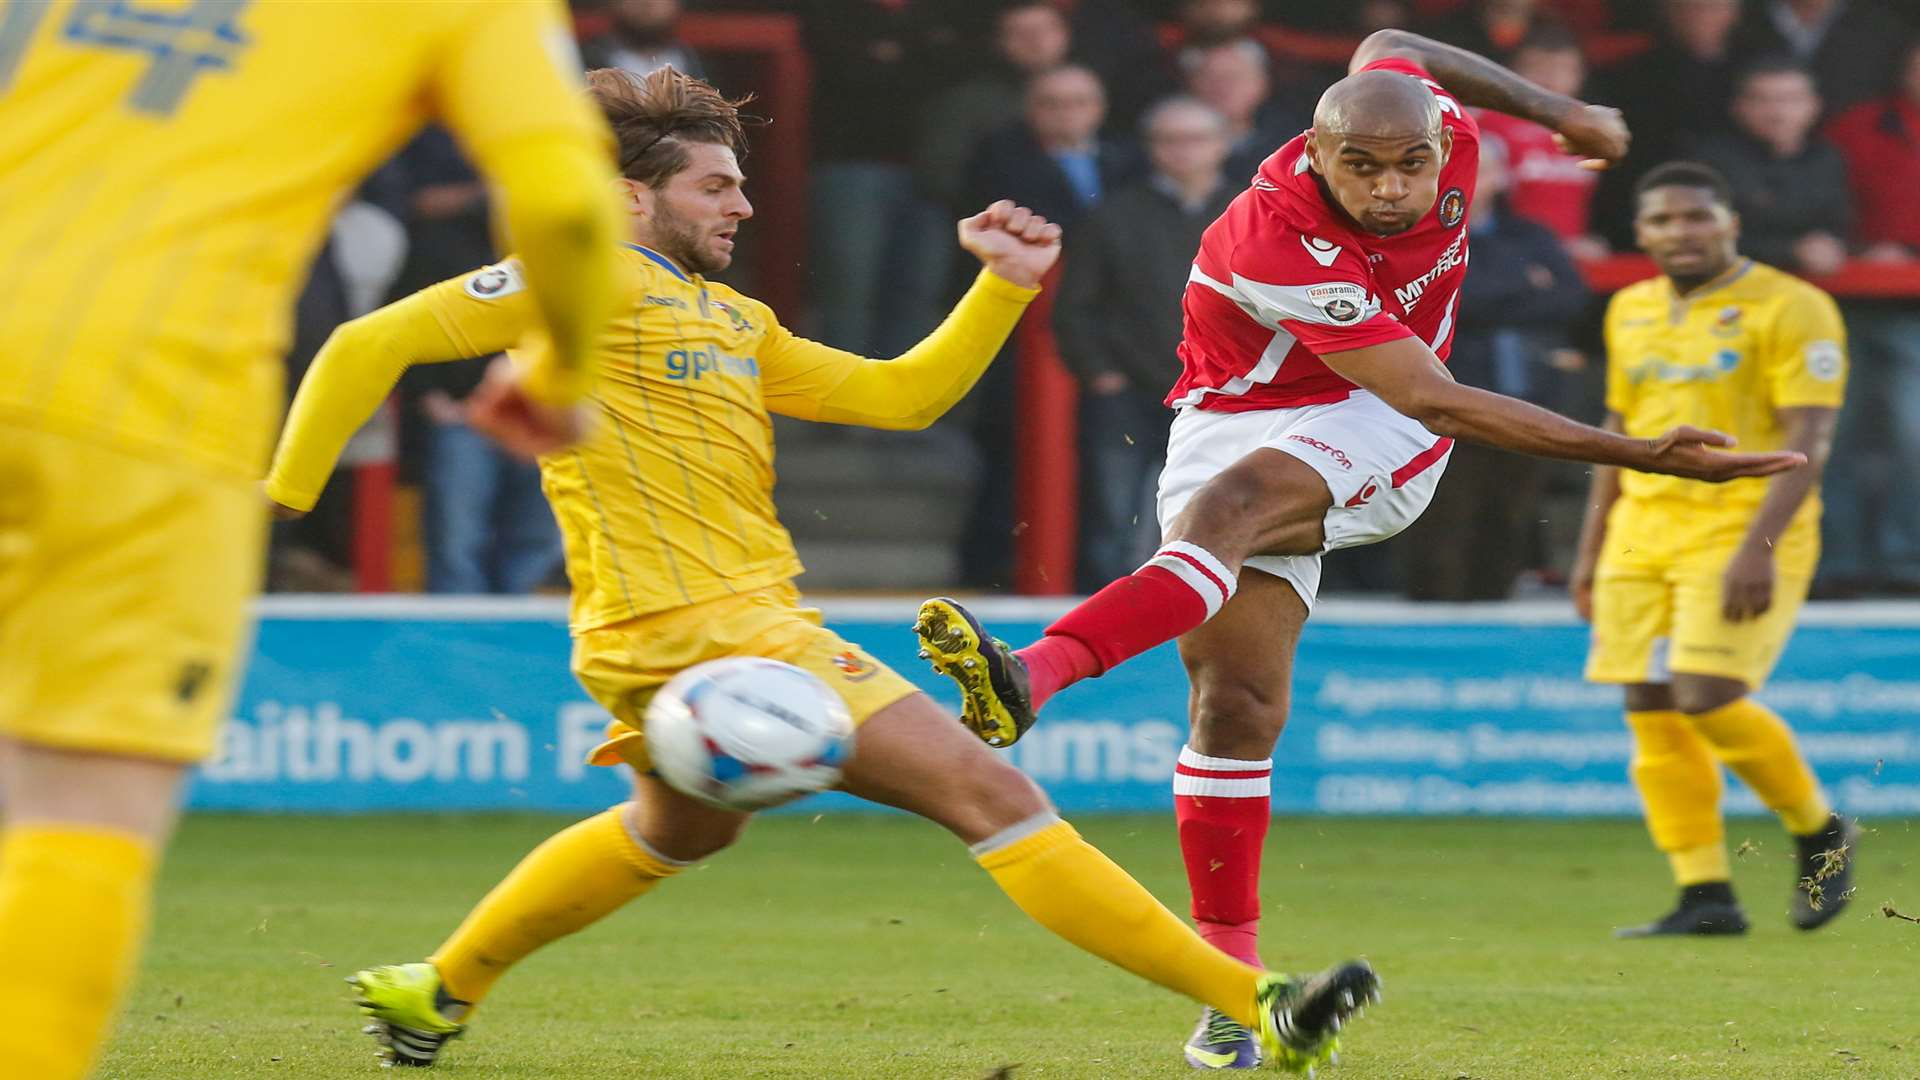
x=1379 y=144
x=1378 y=105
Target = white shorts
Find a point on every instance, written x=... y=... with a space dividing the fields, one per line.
x=1380 y=467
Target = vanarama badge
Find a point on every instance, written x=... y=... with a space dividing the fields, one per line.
x=1453 y=207
x=495 y=281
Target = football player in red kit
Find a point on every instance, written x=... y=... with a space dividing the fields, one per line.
x=1313 y=412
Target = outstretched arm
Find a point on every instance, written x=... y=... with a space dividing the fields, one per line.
x=812 y=381
x=1594 y=132
x=355 y=371
x=1408 y=377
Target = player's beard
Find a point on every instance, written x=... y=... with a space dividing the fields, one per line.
x=686 y=242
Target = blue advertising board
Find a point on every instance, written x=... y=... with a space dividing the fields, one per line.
x=377 y=705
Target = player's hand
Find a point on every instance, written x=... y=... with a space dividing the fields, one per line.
x=1691 y=452
x=283 y=512
x=1596 y=134
x=1012 y=241
x=501 y=409
x=1580 y=588
x=1746 y=590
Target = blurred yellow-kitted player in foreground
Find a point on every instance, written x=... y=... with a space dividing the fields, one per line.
x=167 y=172
x=677 y=557
x=1692 y=588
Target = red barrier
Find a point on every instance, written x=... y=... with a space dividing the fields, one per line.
x=373 y=526
x=1047 y=479
x=1856 y=280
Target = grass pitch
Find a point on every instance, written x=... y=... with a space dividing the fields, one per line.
x=871 y=947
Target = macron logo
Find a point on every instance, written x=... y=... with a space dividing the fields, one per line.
x=1323 y=251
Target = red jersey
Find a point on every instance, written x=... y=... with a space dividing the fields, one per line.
x=1548 y=184
x=1283 y=276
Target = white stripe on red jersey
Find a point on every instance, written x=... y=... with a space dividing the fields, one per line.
x=1283 y=276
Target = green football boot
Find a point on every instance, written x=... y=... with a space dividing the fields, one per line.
x=413 y=1016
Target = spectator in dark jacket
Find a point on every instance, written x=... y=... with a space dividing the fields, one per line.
x=1118 y=318
x=1674 y=94
x=1514 y=310
x=1054 y=162
x=643 y=37
x=1789 y=183
x=485 y=523
x=1028 y=38
x=1871 y=528
x=1851 y=47
x=878 y=247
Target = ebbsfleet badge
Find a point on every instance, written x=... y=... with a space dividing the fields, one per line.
x=1453 y=207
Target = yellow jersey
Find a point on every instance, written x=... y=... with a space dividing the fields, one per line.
x=669 y=500
x=167 y=170
x=1727 y=356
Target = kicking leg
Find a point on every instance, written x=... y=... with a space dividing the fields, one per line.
x=577 y=877
x=1268 y=502
x=912 y=755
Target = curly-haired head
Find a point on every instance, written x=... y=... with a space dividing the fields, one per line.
x=655 y=116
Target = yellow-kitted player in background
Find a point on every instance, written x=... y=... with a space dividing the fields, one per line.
x=1693 y=589
x=167 y=171
x=677 y=557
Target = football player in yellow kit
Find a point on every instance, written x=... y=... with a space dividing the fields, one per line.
x=677 y=557
x=167 y=172
x=1692 y=589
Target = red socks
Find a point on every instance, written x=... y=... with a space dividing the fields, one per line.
x=1178 y=589
x=1222 y=806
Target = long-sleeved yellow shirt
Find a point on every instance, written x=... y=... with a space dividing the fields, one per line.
x=669 y=501
x=167 y=171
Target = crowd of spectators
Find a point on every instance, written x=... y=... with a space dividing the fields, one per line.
x=1133 y=122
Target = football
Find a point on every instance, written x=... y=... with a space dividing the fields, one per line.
x=748 y=733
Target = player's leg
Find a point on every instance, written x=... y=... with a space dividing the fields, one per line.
x=1240 y=667
x=1679 y=784
x=1674 y=772
x=82 y=840
x=577 y=877
x=123 y=586
x=912 y=755
x=1724 y=661
x=1265 y=501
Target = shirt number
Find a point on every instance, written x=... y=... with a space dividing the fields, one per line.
x=1447 y=104
x=180 y=43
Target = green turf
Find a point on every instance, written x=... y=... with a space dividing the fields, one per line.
x=871 y=947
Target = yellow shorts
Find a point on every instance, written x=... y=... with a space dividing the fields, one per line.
x=124 y=585
x=1657 y=600
x=624 y=664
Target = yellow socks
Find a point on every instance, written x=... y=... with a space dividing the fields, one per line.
x=73 y=914
x=1679 y=782
x=1757 y=745
x=1698 y=865
x=1676 y=766
x=579 y=876
x=1066 y=885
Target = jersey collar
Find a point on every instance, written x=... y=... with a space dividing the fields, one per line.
x=1727 y=277
x=659 y=258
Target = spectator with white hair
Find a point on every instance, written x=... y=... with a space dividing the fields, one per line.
x=1235 y=78
x=1118 y=319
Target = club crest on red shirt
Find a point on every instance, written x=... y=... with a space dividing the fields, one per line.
x=1453 y=207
